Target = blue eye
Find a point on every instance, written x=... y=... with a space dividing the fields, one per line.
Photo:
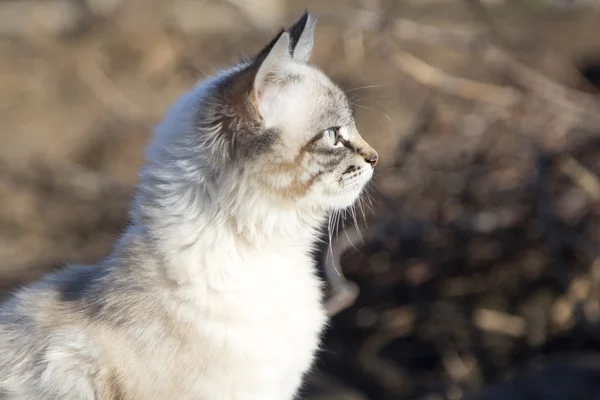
x=332 y=135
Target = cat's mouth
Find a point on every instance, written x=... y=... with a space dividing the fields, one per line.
x=351 y=186
x=355 y=177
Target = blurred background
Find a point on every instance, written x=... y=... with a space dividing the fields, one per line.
x=474 y=272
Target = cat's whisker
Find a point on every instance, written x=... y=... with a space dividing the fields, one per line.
x=329 y=235
x=330 y=250
x=374 y=101
x=374 y=110
x=339 y=216
x=374 y=184
x=355 y=99
x=379 y=96
x=361 y=205
x=373 y=200
x=353 y=209
x=370 y=197
x=363 y=87
x=352 y=241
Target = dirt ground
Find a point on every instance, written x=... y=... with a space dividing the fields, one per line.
x=478 y=271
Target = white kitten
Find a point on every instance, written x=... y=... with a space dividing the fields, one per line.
x=211 y=293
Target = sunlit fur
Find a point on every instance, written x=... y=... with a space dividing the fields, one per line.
x=211 y=293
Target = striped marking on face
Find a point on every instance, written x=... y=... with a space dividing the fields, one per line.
x=315 y=158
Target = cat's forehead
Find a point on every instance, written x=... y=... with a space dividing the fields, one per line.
x=324 y=100
x=317 y=80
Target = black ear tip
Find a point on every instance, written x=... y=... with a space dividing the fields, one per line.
x=301 y=23
x=297 y=29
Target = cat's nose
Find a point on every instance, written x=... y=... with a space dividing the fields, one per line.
x=372 y=158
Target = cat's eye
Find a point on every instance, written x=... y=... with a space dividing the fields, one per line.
x=332 y=134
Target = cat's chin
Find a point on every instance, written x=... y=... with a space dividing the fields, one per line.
x=345 y=200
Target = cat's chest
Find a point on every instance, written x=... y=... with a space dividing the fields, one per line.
x=258 y=330
x=270 y=298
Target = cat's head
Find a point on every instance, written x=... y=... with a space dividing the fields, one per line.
x=287 y=126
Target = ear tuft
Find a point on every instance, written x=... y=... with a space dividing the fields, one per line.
x=302 y=37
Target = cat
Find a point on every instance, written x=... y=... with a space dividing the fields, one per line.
x=211 y=293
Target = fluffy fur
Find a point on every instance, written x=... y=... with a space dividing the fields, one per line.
x=211 y=293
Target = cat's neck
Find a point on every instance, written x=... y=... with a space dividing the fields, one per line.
x=195 y=210
x=188 y=220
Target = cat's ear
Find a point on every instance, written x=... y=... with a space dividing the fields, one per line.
x=270 y=60
x=302 y=35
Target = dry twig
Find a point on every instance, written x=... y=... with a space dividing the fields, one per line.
x=583 y=178
x=499 y=322
x=343 y=292
x=425 y=74
x=392 y=376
